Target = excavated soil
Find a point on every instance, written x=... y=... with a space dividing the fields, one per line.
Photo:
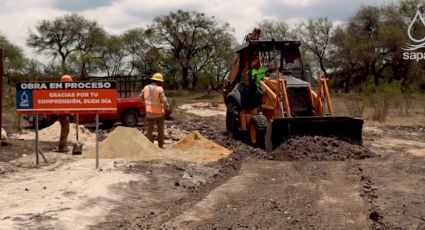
x=318 y=148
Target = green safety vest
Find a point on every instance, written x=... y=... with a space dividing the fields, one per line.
x=258 y=74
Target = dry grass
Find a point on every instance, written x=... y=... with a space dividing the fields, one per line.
x=403 y=110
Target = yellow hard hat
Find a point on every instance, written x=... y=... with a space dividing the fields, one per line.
x=157 y=77
x=66 y=78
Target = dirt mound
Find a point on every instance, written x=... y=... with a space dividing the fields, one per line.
x=127 y=143
x=131 y=144
x=52 y=133
x=319 y=148
x=195 y=147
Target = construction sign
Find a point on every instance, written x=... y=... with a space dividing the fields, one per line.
x=66 y=97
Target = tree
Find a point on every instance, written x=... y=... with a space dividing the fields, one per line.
x=342 y=55
x=273 y=29
x=90 y=43
x=65 y=35
x=368 y=49
x=14 y=60
x=112 y=55
x=143 y=56
x=185 y=35
x=215 y=64
x=315 y=35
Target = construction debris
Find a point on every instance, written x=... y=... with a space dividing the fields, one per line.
x=173 y=133
x=3 y=134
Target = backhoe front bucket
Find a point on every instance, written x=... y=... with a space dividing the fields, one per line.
x=346 y=128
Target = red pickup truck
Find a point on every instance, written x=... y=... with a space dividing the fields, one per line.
x=129 y=110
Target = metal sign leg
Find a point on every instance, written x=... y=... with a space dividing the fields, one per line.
x=37 y=149
x=37 y=145
x=97 y=140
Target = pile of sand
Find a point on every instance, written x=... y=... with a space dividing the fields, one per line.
x=197 y=148
x=127 y=143
x=52 y=133
x=131 y=144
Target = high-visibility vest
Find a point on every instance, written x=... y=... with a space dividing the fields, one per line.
x=151 y=95
x=258 y=74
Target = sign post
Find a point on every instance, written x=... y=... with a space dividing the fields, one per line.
x=66 y=98
x=97 y=140
x=37 y=148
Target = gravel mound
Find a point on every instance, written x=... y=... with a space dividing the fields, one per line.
x=318 y=148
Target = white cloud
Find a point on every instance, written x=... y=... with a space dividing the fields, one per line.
x=116 y=16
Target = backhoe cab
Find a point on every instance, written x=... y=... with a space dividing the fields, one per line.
x=269 y=94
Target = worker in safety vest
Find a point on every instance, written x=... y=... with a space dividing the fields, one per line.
x=258 y=72
x=156 y=104
x=64 y=122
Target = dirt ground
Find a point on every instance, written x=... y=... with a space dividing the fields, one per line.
x=378 y=186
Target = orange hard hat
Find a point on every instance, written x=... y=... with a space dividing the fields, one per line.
x=66 y=78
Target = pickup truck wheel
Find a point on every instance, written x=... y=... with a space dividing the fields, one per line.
x=108 y=124
x=130 y=118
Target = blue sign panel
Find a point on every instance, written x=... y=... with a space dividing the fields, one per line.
x=24 y=99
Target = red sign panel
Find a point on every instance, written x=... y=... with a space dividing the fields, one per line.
x=66 y=97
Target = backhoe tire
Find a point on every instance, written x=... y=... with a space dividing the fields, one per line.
x=257 y=130
x=234 y=97
x=232 y=120
x=130 y=118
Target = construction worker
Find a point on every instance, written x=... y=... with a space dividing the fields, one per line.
x=156 y=104
x=258 y=72
x=64 y=122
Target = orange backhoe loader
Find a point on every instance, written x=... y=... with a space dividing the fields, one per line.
x=269 y=94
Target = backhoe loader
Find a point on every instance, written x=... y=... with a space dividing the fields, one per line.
x=272 y=96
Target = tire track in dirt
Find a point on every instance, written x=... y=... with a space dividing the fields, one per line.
x=281 y=195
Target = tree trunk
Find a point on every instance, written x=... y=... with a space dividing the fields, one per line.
x=347 y=82
x=83 y=72
x=63 y=66
x=194 y=80
x=185 y=80
x=322 y=67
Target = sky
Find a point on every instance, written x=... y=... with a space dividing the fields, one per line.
x=18 y=17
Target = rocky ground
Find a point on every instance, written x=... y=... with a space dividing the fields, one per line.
x=304 y=184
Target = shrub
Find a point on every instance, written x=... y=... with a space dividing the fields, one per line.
x=379 y=101
x=355 y=105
